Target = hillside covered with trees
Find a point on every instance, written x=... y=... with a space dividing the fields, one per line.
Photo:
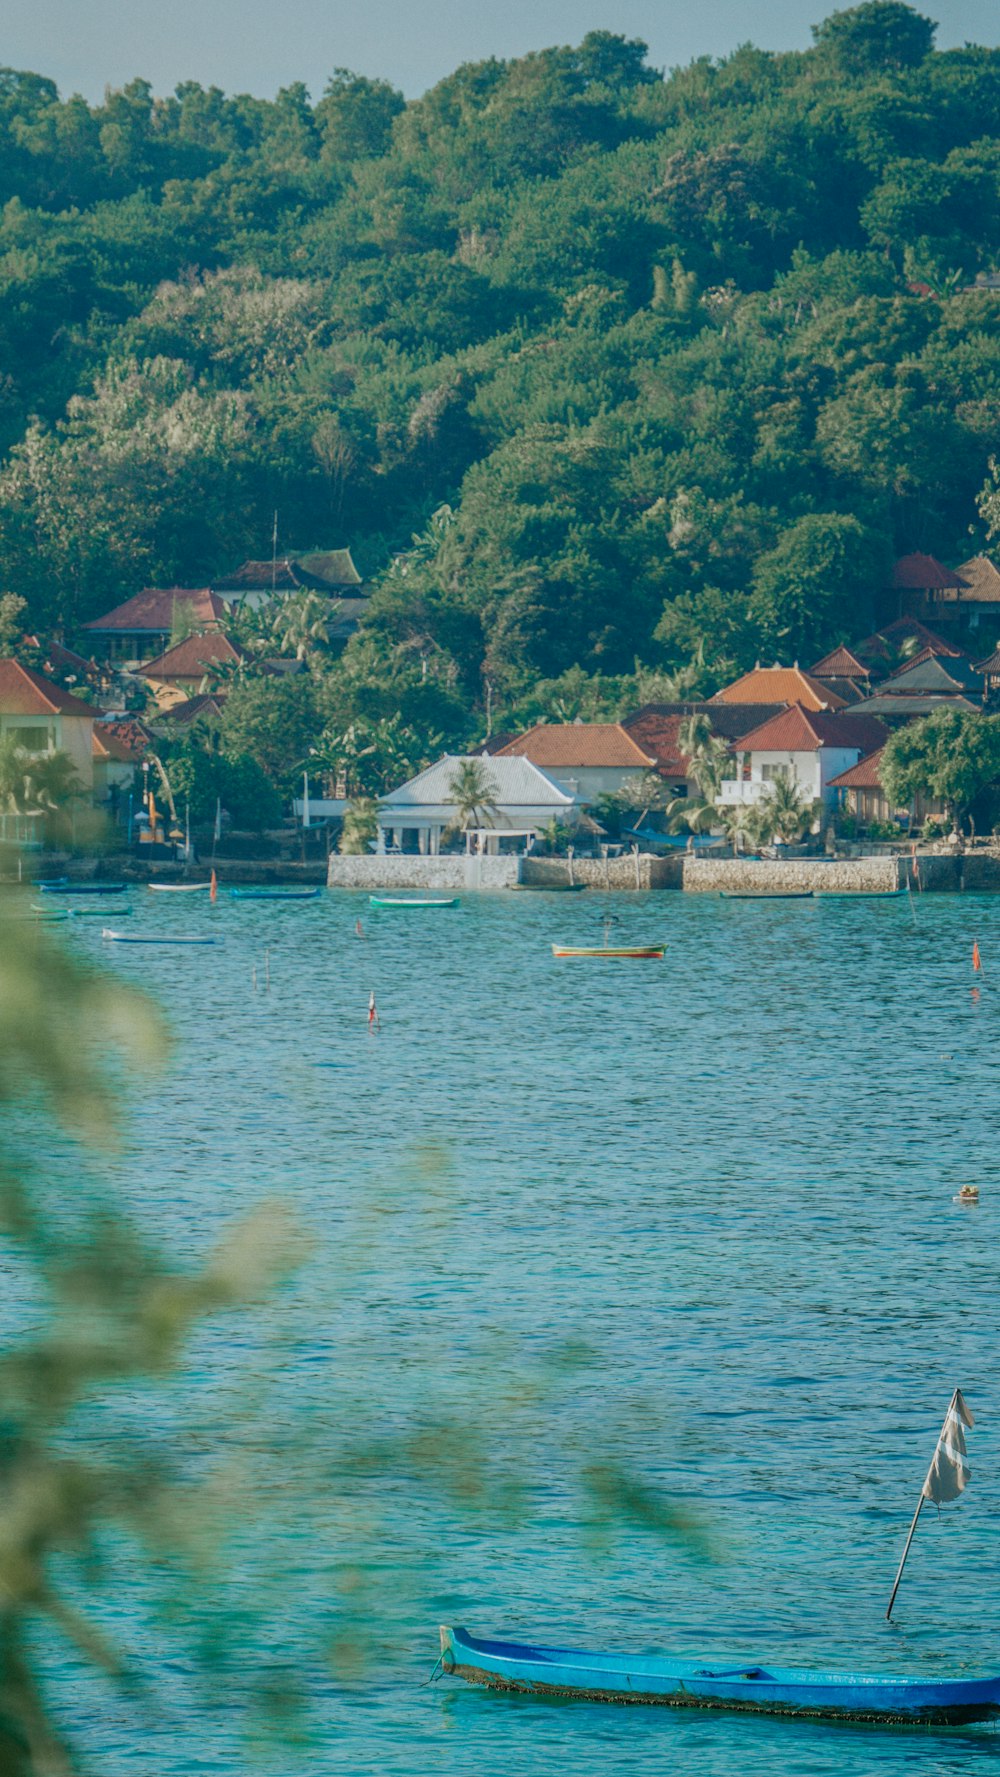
x=596 y=371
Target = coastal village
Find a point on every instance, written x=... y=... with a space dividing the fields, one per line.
x=785 y=758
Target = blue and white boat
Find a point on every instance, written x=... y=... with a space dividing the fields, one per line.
x=691 y=1682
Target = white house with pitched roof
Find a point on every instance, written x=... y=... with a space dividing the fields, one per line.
x=416 y=817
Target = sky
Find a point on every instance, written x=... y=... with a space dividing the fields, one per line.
x=257 y=46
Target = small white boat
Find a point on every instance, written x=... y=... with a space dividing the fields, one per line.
x=147 y=938
x=178 y=888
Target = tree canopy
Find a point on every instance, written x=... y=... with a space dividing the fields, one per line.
x=589 y=366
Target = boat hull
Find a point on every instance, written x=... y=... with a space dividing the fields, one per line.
x=81 y=888
x=721 y=1684
x=402 y=901
x=145 y=938
x=633 y=950
x=312 y=894
x=766 y=894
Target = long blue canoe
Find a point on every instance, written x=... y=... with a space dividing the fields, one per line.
x=82 y=888
x=310 y=894
x=716 y=1684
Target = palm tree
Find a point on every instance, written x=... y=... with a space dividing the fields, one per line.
x=360 y=828
x=13 y=775
x=473 y=792
x=733 y=821
x=52 y=779
x=302 y=623
x=707 y=754
x=791 y=815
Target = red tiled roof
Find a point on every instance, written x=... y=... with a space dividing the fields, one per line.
x=886 y=643
x=660 y=735
x=798 y=730
x=124 y=738
x=841 y=664
x=577 y=744
x=924 y=573
x=207 y=703
x=728 y=720
x=24 y=693
x=779 y=684
x=862 y=776
x=154 y=609
x=191 y=658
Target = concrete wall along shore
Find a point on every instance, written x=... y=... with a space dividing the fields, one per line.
x=773 y=876
x=448 y=875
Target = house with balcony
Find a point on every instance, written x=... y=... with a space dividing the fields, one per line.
x=809 y=748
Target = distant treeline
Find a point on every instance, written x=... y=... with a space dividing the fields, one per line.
x=589 y=367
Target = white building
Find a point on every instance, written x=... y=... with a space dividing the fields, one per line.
x=810 y=747
x=586 y=759
x=519 y=802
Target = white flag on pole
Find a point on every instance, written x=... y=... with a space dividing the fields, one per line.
x=948 y=1475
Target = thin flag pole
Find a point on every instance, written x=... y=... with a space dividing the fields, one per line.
x=937 y=1486
x=902 y=1564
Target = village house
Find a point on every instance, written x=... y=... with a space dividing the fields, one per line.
x=928 y=681
x=842 y=673
x=779 y=684
x=328 y=571
x=585 y=759
x=924 y=587
x=859 y=790
x=420 y=815
x=890 y=647
x=143 y=625
x=41 y=717
x=657 y=728
x=118 y=748
x=978 y=601
x=190 y=667
x=808 y=747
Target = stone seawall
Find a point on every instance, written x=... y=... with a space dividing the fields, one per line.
x=449 y=875
x=843 y=876
x=625 y=872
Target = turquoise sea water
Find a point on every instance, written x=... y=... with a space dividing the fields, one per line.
x=693 y=1217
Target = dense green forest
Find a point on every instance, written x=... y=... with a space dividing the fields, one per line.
x=595 y=370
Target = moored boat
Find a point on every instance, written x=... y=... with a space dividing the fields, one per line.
x=716 y=1683
x=277 y=894
x=82 y=888
x=766 y=894
x=178 y=888
x=413 y=900
x=647 y=950
x=80 y=912
x=148 y=938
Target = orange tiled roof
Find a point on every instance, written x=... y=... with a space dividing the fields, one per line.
x=799 y=730
x=153 y=609
x=24 y=693
x=862 y=776
x=578 y=744
x=780 y=684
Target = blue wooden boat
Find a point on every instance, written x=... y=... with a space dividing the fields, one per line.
x=82 y=888
x=722 y=1683
x=80 y=912
x=278 y=894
